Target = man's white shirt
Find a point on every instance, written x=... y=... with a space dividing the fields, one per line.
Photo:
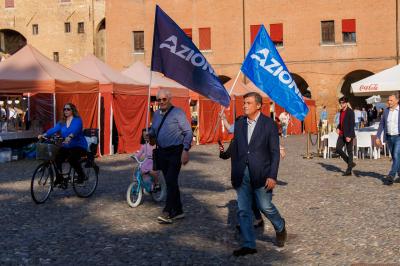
x=393 y=121
x=251 y=124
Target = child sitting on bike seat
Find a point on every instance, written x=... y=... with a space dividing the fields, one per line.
x=146 y=151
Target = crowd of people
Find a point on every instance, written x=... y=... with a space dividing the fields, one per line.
x=255 y=153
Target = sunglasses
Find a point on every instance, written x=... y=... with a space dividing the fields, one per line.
x=67 y=109
x=162 y=100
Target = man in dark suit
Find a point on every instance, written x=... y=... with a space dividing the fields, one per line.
x=390 y=126
x=255 y=162
x=346 y=133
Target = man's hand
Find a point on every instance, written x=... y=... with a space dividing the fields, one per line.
x=40 y=136
x=348 y=139
x=282 y=152
x=270 y=183
x=378 y=142
x=185 y=157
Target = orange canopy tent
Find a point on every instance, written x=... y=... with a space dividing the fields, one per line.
x=209 y=110
x=139 y=72
x=112 y=83
x=29 y=71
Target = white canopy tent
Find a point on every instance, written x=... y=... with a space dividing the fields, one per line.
x=381 y=83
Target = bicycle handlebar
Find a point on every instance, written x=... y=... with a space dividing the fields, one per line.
x=137 y=160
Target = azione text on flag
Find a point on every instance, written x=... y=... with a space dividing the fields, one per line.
x=175 y=55
x=266 y=69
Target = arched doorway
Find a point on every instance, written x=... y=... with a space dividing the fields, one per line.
x=302 y=85
x=11 y=41
x=344 y=86
x=100 y=41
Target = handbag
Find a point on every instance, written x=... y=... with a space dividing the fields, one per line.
x=156 y=151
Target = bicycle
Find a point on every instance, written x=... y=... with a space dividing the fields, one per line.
x=42 y=183
x=134 y=194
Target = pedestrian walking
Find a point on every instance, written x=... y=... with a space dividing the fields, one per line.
x=255 y=163
x=284 y=118
x=173 y=135
x=346 y=135
x=390 y=127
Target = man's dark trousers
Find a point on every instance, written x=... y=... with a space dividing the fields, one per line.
x=170 y=164
x=341 y=142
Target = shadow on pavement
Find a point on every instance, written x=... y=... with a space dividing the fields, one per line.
x=331 y=168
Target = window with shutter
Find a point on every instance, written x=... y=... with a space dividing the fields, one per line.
x=328 y=32
x=35 y=29
x=9 y=3
x=205 y=38
x=67 y=27
x=138 y=41
x=253 y=32
x=276 y=34
x=81 y=27
x=188 y=33
x=349 y=30
x=56 y=57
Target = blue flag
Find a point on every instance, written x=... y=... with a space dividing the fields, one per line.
x=175 y=55
x=265 y=68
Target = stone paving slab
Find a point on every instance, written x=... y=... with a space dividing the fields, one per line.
x=331 y=219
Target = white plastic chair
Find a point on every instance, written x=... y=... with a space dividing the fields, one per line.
x=364 y=141
x=332 y=140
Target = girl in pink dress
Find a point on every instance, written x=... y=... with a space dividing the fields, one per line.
x=146 y=151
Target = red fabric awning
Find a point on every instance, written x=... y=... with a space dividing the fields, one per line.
x=253 y=32
x=348 y=25
x=276 y=32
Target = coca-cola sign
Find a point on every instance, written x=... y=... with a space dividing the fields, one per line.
x=370 y=87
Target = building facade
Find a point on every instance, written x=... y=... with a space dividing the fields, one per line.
x=64 y=30
x=326 y=45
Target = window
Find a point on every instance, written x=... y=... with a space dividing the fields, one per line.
x=35 y=29
x=9 y=3
x=65 y=1
x=349 y=30
x=188 y=33
x=253 y=32
x=205 y=38
x=56 y=57
x=81 y=27
x=276 y=34
x=138 y=41
x=328 y=32
x=67 y=27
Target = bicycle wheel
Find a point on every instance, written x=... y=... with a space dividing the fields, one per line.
x=42 y=183
x=134 y=194
x=86 y=188
x=161 y=193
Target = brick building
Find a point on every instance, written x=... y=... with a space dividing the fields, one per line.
x=65 y=30
x=326 y=44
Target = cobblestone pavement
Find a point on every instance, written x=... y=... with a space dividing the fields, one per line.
x=331 y=219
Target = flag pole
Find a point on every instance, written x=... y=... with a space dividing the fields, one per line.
x=223 y=108
x=148 y=103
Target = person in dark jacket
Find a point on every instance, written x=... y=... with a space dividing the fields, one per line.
x=257 y=214
x=346 y=133
x=255 y=163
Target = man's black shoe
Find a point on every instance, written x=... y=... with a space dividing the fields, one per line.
x=281 y=236
x=244 y=251
x=348 y=172
x=388 y=181
x=353 y=164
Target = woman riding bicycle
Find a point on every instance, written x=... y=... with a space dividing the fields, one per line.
x=74 y=145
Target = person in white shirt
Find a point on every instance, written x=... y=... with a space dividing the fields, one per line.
x=284 y=118
x=390 y=126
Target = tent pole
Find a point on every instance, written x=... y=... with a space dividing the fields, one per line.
x=223 y=108
x=111 y=126
x=99 y=122
x=54 y=109
x=29 y=106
